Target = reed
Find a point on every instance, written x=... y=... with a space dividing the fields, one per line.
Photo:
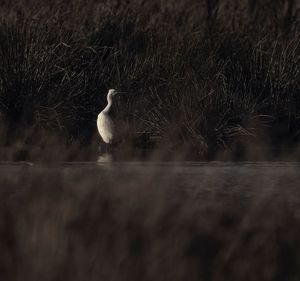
x=201 y=74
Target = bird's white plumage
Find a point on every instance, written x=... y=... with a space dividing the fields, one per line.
x=105 y=127
x=104 y=123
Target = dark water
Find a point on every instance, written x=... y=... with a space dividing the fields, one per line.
x=247 y=179
x=263 y=176
x=192 y=171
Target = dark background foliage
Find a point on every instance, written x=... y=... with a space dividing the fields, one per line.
x=204 y=75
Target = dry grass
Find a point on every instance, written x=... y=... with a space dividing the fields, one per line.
x=201 y=74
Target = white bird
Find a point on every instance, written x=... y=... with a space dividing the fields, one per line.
x=105 y=124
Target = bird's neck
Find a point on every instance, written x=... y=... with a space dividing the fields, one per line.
x=107 y=108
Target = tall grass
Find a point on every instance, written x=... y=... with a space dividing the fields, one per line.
x=203 y=75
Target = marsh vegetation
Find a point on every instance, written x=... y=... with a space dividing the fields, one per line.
x=203 y=76
x=205 y=80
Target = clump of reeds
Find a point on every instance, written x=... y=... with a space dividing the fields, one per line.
x=201 y=74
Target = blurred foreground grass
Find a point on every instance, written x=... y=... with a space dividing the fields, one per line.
x=147 y=222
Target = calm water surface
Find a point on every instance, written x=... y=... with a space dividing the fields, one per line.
x=192 y=172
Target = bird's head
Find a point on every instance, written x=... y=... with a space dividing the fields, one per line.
x=112 y=92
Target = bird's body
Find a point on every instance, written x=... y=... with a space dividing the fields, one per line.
x=105 y=127
x=105 y=124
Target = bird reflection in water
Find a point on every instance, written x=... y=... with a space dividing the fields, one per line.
x=104 y=158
